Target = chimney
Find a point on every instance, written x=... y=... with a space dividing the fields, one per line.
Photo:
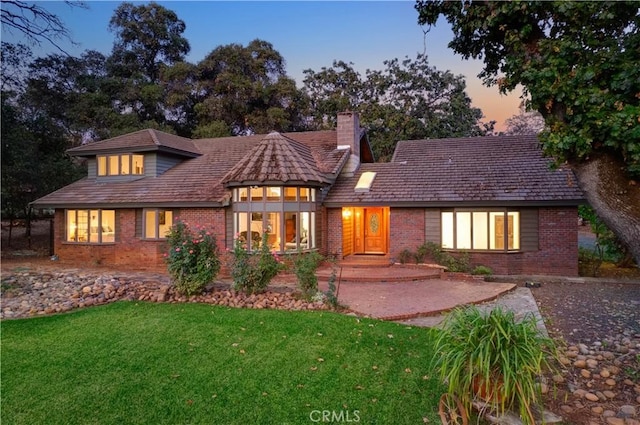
x=349 y=132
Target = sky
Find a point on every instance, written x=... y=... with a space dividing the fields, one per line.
x=308 y=34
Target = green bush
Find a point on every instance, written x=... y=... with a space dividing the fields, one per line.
x=406 y=256
x=494 y=357
x=589 y=262
x=482 y=270
x=252 y=273
x=304 y=267
x=445 y=259
x=192 y=258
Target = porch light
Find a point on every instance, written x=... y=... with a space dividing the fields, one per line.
x=346 y=212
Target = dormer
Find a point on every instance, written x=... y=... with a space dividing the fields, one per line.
x=145 y=153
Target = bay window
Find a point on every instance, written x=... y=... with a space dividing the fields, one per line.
x=285 y=214
x=481 y=230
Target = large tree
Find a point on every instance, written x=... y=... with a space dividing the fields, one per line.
x=246 y=90
x=409 y=99
x=148 y=39
x=579 y=63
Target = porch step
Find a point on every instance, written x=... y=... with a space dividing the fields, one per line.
x=388 y=273
x=366 y=261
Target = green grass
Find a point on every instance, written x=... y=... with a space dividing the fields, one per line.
x=143 y=363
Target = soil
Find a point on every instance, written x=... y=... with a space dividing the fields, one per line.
x=592 y=312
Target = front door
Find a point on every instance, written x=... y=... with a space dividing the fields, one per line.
x=374 y=231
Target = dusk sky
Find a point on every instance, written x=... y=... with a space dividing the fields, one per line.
x=309 y=35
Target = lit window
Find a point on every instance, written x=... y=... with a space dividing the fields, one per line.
x=481 y=230
x=157 y=223
x=287 y=218
x=120 y=165
x=90 y=226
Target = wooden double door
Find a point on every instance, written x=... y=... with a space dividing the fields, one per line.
x=371 y=230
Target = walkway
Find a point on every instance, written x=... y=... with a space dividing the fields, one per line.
x=404 y=292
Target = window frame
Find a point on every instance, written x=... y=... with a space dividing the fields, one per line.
x=105 y=165
x=254 y=209
x=86 y=215
x=158 y=213
x=451 y=240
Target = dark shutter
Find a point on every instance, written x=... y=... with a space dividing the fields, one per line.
x=529 y=229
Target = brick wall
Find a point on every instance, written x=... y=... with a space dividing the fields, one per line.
x=130 y=250
x=407 y=230
x=332 y=232
x=557 y=252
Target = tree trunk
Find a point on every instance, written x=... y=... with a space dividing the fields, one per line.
x=613 y=196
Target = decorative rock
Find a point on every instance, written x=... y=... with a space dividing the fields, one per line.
x=592 y=363
x=612 y=420
x=609 y=394
x=580 y=364
x=585 y=373
x=591 y=397
x=597 y=410
x=610 y=382
x=605 y=373
x=627 y=411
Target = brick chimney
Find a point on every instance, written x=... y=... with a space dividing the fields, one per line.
x=349 y=132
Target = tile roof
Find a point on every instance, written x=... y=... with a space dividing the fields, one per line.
x=195 y=181
x=276 y=158
x=139 y=141
x=482 y=170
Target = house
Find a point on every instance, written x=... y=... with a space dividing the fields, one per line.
x=495 y=197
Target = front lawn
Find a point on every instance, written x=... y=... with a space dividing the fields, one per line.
x=149 y=363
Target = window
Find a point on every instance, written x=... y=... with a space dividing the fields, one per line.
x=157 y=223
x=90 y=226
x=481 y=230
x=285 y=214
x=120 y=165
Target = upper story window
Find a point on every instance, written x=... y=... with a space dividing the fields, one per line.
x=481 y=230
x=120 y=165
x=90 y=226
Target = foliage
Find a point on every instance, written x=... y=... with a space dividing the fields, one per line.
x=482 y=270
x=408 y=100
x=35 y=22
x=493 y=355
x=608 y=246
x=148 y=39
x=406 y=256
x=248 y=89
x=579 y=66
x=331 y=294
x=530 y=122
x=305 y=265
x=164 y=363
x=453 y=264
x=589 y=261
x=251 y=272
x=192 y=258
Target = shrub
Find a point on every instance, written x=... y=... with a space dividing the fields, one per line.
x=252 y=273
x=406 y=256
x=494 y=357
x=192 y=258
x=443 y=258
x=305 y=266
x=482 y=270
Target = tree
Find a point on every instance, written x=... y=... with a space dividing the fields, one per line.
x=148 y=40
x=35 y=23
x=579 y=63
x=407 y=100
x=526 y=122
x=248 y=89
